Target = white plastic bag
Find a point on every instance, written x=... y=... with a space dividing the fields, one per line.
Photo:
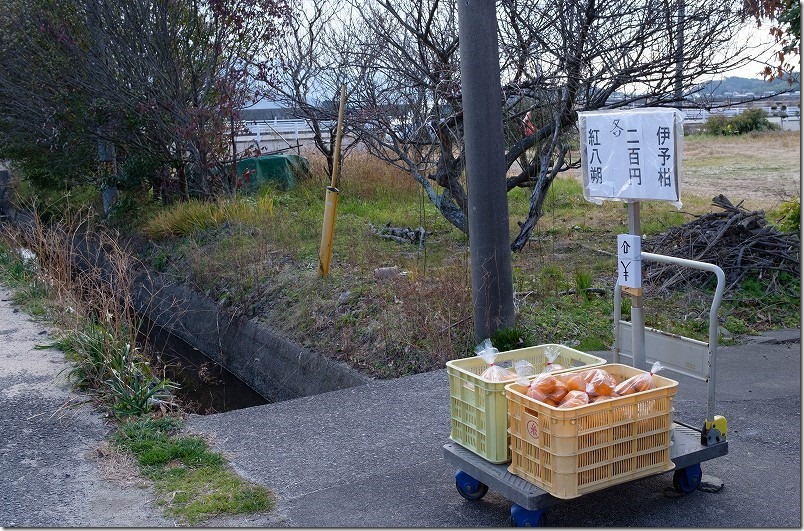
x=494 y=373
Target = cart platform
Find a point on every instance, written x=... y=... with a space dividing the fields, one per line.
x=686 y=451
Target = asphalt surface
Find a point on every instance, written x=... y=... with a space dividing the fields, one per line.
x=51 y=470
x=371 y=456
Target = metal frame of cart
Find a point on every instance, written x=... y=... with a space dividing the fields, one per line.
x=691 y=446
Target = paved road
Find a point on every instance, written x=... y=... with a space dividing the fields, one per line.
x=372 y=456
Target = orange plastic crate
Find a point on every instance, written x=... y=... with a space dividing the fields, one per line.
x=570 y=452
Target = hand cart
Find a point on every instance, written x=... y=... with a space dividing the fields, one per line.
x=690 y=445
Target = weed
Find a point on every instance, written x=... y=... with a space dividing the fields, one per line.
x=788 y=215
x=20 y=273
x=114 y=371
x=192 y=482
x=583 y=281
x=512 y=338
x=559 y=319
x=552 y=279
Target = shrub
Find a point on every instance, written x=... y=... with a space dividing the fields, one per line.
x=512 y=338
x=717 y=125
x=790 y=215
x=754 y=119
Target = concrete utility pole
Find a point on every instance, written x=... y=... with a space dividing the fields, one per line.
x=680 y=57
x=490 y=251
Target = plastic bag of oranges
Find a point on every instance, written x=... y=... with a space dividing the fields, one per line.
x=640 y=382
x=599 y=382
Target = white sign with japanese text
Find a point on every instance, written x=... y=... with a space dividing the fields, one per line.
x=629 y=260
x=631 y=154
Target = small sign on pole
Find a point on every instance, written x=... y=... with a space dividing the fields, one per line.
x=631 y=155
x=629 y=260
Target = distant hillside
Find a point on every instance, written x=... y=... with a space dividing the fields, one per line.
x=742 y=85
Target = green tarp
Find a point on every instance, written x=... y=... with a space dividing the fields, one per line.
x=284 y=170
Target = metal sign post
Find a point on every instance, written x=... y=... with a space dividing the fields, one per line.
x=631 y=156
x=629 y=277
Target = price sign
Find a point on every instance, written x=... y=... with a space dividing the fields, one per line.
x=629 y=260
x=632 y=154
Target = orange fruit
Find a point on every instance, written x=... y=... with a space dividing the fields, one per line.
x=576 y=383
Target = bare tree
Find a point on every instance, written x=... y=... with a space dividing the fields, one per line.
x=410 y=107
x=558 y=57
x=318 y=57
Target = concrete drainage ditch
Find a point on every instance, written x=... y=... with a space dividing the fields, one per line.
x=270 y=365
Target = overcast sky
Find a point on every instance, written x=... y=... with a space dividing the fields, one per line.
x=759 y=38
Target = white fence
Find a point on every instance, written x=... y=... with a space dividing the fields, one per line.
x=270 y=136
x=790 y=113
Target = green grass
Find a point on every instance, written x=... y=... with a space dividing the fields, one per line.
x=29 y=290
x=583 y=324
x=417 y=322
x=265 y=266
x=192 y=482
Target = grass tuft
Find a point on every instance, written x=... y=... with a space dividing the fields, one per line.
x=191 y=481
x=187 y=218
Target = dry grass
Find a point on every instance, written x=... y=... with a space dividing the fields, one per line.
x=418 y=320
x=761 y=168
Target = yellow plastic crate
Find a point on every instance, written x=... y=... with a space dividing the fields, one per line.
x=478 y=407
x=574 y=451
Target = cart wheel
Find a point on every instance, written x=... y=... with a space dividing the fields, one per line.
x=469 y=487
x=686 y=480
x=521 y=517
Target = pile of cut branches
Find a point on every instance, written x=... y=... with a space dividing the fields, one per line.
x=398 y=234
x=737 y=240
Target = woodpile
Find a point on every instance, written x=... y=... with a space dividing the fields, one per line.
x=739 y=241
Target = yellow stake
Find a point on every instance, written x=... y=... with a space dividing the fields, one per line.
x=331 y=199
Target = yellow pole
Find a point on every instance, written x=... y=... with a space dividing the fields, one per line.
x=331 y=199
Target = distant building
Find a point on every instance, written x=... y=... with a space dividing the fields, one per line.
x=266 y=111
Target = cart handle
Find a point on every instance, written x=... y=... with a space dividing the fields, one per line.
x=713 y=323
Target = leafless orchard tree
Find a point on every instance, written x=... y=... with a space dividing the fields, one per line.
x=558 y=57
x=317 y=59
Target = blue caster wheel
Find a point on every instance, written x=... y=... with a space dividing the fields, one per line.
x=469 y=487
x=686 y=480
x=521 y=517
